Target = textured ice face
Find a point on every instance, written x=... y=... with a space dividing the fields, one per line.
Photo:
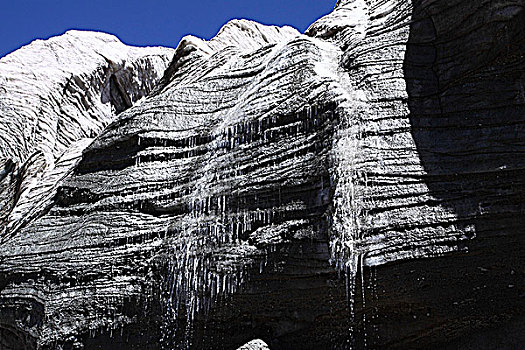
x=230 y=155
x=202 y=177
x=57 y=91
x=251 y=140
x=379 y=187
x=258 y=138
x=55 y=97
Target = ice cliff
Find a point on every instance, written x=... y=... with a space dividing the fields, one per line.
x=369 y=135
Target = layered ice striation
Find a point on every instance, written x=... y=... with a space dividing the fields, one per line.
x=261 y=136
x=382 y=207
x=56 y=95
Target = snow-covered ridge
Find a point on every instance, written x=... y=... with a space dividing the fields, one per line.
x=239 y=35
x=56 y=92
x=242 y=34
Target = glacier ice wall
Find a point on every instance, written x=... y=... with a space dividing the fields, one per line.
x=259 y=137
x=383 y=209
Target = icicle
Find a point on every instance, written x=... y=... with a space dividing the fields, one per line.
x=363 y=292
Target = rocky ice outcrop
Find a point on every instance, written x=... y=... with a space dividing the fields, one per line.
x=367 y=136
x=255 y=345
x=55 y=96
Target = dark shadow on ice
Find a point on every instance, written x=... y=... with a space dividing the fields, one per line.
x=465 y=76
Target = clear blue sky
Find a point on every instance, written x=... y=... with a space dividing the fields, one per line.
x=145 y=22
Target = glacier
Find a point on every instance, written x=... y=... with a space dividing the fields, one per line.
x=146 y=189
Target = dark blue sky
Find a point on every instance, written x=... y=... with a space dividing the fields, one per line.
x=145 y=22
